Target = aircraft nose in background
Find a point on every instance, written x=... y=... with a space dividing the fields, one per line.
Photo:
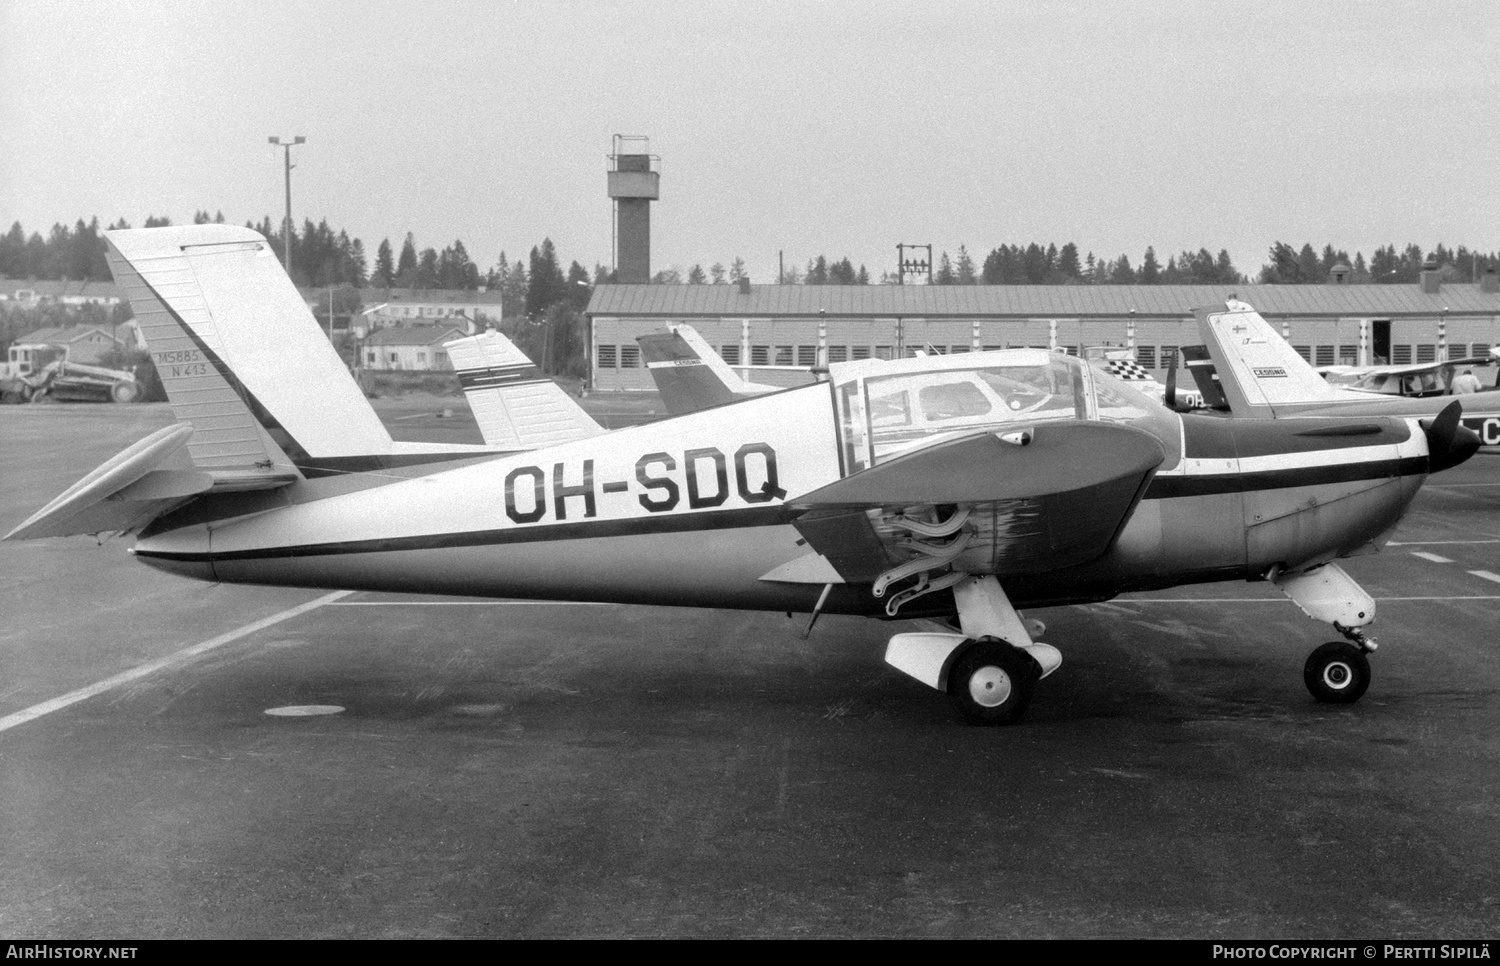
x=183 y=552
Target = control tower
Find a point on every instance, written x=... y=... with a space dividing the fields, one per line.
x=634 y=182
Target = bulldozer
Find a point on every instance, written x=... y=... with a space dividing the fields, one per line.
x=40 y=370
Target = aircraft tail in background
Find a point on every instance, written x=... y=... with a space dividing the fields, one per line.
x=515 y=406
x=689 y=374
x=1258 y=373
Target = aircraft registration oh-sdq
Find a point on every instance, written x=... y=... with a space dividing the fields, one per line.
x=954 y=487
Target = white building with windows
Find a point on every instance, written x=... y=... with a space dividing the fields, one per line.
x=385 y=307
x=416 y=348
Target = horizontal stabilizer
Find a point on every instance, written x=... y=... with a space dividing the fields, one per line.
x=515 y=406
x=137 y=485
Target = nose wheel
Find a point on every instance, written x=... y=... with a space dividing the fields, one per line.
x=1337 y=673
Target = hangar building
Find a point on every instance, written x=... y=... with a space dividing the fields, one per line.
x=796 y=325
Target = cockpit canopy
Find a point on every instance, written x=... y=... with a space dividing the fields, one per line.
x=890 y=408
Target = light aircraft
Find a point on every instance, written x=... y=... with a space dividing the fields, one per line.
x=1116 y=361
x=957 y=488
x=1246 y=368
x=1421 y=379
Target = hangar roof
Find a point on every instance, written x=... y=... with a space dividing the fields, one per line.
x=1030 y=301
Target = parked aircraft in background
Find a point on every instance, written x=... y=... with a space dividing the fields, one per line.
x=515 y=406
x=1423 y=379
x=1247 y=368
x=1117 y=361
x=954 y=487
x=690 y=375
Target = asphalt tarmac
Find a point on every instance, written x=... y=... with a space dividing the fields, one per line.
x=538 y=770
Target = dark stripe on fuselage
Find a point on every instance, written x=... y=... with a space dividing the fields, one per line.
x=1225 y=437
x=585 y=530
x=1167 y=487
x=1160 y=488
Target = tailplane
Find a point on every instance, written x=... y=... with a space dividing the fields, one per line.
x=514 y=405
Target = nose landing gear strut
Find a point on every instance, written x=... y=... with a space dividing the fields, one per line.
x=1337 y=672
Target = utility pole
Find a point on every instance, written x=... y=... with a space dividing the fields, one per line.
x=286 y=227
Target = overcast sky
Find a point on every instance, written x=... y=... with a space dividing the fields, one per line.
x=839 y=128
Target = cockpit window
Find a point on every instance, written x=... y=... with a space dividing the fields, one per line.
x=913 y=408
x=952 y=401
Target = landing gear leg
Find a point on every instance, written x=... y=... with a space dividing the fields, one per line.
x=1337 y=672
x=990 y=669
x=992 y=679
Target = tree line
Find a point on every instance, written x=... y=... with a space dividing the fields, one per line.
x=321 y=256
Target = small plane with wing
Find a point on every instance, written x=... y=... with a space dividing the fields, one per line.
x=1245 y=367
x=1419 y=379
x=952 y=488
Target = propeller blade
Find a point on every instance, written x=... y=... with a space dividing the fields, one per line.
x=1448 y=442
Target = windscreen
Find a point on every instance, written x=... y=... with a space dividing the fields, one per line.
x=886 y=415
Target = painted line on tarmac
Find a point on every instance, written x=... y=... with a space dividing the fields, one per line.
x=1487 y=575
x=1434 y=543
x=151 y=667
x=1281 y=600
x=471 y=603
x=1435 y=558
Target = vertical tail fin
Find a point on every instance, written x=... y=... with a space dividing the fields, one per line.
x=689 y=374
x=239 y=353
x=1260 y=374
x=515 y=406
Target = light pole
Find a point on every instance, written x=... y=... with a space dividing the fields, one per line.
x=286 y=228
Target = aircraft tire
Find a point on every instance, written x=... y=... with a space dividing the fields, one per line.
x=991 y=682
x=125 y=392
x=1337 y=673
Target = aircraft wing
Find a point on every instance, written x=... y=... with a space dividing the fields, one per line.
x=1050 y=497
x=1405 y=370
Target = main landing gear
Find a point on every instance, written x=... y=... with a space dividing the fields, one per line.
x=990 y=670
x=1337 y=672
